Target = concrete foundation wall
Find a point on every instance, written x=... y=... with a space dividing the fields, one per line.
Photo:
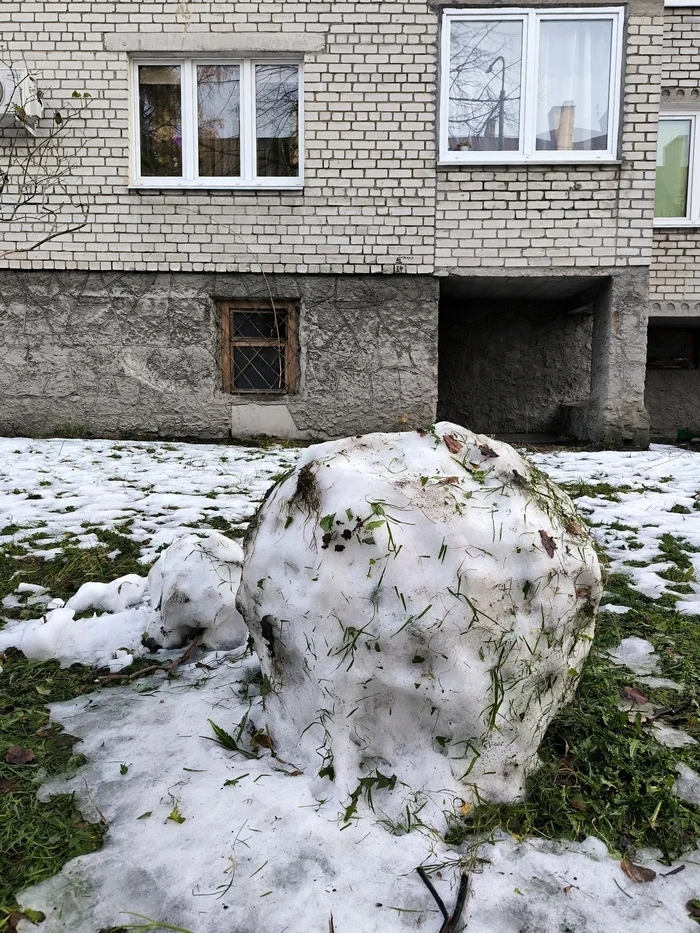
x=507 y=367
x=137 y=354
x=672 y=398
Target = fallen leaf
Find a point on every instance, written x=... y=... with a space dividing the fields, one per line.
x=567 y=888
x=449 y=481
x=422 y=433
x=550 y=545
x=144 y=816
x=636 y=696
x=465 y=809
x=176 y=816
x=577 y=804
x=262 y=739
x=452 y=444
x=487 y=451
x=16 y=755
x=574 y=527
x=6 y=787
x=637 y=873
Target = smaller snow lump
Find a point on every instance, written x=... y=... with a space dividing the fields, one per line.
x=192 y=586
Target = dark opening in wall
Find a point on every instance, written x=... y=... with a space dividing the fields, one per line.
x=672 y=348
x=513 y=351
x=672 y=390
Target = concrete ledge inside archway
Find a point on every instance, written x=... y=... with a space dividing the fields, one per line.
x=515 y=350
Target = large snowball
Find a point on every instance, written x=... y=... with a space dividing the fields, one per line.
x=193 y=587
x=422 y=604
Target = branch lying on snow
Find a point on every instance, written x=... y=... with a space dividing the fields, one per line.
x=169 y=668
x=450 y=922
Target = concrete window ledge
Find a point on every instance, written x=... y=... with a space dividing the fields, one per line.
x=226 y=42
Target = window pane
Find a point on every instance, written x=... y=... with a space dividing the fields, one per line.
x=258 y=369
x=573 y=85
x=260 y=325
x=277 y=112
x=160 y=120
x=672 y=159
x=219 y=120
x=485 y=72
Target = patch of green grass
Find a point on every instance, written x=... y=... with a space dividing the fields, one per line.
x=595 y=490
x=65 y=573
x=603 y=775
x=36 y=839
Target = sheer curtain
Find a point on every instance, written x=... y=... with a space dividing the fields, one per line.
x=573 y=84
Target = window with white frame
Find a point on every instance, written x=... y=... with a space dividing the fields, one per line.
x=209 y=124
x=531 y=85
x=677 y=195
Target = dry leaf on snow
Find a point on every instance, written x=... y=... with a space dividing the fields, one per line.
x=452 y=444
x=550 y=545
x=637 y=873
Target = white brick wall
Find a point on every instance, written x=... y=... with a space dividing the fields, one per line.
x=372 y=196
x=578 y=215
x=675 y=268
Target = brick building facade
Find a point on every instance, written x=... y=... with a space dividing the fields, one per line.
x=395 y=273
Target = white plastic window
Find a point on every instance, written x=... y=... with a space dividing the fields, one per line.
x=209 y=124
x=528 y=85
x=677 y=196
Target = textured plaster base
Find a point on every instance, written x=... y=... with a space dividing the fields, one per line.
x=136 y=354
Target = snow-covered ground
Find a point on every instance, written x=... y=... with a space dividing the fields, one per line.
x=207 y=840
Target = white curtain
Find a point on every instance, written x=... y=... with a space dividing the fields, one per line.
x=573 y=84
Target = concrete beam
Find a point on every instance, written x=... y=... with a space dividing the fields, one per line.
x=285 y=43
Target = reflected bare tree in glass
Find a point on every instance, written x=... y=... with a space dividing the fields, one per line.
x=219 y=120
x=160 y=112
x=485 y=86
x=277 y=120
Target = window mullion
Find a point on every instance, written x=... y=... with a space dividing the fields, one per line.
x=189 y=121
x=530 y=79
x=247 y=120
x=693 y=209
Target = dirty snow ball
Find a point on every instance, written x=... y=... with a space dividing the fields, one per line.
x=193 y=587
x=422 y=604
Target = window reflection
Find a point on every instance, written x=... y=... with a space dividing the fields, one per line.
x=277 y=120
x=160 y=112
x=485 y=69
x=219 y=120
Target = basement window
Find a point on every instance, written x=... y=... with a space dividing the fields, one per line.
x=531 y=85
x=672 y=348
x=259 y=347
x=217 y=124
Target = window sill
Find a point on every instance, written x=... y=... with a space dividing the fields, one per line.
x=145 y=187
x=663 y=224
x=552 y=163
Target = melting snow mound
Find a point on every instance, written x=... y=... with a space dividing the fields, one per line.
x=193 y=586
x=422 y=604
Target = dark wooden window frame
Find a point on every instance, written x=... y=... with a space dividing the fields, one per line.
x=288 y=346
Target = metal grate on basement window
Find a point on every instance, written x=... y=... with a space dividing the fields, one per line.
x=259 y=347
x=671 y=348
